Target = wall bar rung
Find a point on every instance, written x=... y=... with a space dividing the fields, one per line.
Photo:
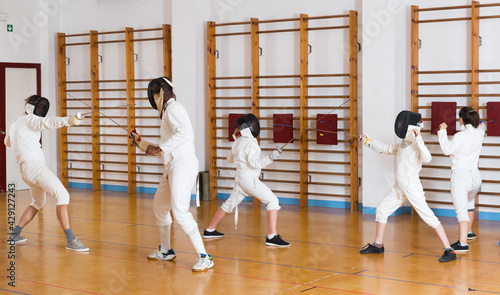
x=111 y=32
x=489 y=17
x=278 y=20
x=232 y=78
x=328 y=28
x=232 y=34
x=444 y=72
x=444 y=8
x=75 y=44
x=147 y=30
x=111 y=41
x=229 y=24
x=444 y=20
x=278 y=31
x=61 y=35
x=327 y=16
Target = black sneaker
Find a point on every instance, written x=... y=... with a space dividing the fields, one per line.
x=369 y=249
x=212 y=234
x=277 y=241
x=471 y=236
x=459 y=248
x=448 y=256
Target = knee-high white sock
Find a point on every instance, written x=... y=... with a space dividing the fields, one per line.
x=164 y=238
x=195 y=237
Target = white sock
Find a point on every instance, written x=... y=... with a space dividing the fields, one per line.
x=197 y=242
x=271 y=236
x=463 y=244
x=210 y=230
x=164 y=238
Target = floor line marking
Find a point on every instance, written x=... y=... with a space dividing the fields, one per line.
x=315 y=243
x=307 y=289
x=244 y=260
x=188 y=268
x=56 y=286
x=14 y=291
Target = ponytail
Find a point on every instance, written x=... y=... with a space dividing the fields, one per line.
x=469 y=116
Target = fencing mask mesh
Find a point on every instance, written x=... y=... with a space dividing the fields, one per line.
x=403 y=120
x=249 y=121
x=37 y=105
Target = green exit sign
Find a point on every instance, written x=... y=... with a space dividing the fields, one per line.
x=10 y=28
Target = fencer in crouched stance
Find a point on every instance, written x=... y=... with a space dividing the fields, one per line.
x=246 y=154
x=410 y=153
x=24 y=139
x=464 y=150
x=176 y=146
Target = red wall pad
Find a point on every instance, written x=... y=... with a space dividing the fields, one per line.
x=283 y=127
x=493 y=114
x=326 y=129
x=231 y=125
x=444 y=112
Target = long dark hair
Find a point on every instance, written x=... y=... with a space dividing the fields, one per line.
x=469 y=116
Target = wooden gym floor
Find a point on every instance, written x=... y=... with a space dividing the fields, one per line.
x=323 y=257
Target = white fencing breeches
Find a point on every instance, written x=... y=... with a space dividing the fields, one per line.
x=415 y=195
x=174 y=193
x=464 y=186
x=41 y=180
x=250 y=187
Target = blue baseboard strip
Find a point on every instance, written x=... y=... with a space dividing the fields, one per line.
x=294 y=201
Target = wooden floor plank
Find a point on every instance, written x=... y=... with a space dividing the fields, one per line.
x=323 y=258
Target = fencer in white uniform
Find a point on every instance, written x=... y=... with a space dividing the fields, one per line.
x=464 y=150
x=246 y=155
x=24 y=139
x=176 y=146
x=410 y=154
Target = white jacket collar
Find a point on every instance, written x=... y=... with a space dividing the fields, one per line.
x=170 y=100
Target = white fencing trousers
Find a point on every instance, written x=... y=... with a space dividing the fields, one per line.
x=41 y=180
x=415 y=195
x=250 y=187
x=174 y=193
x=464 y=186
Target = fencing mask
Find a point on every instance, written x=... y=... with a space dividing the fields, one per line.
x=405 y=119
x=248 y=123
x=37 y=105
x=154 y=92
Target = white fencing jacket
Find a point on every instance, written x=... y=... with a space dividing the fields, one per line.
x=245 y=153
x=464 y=148
x=24 y=135
x=176 y=133
x=410 y=156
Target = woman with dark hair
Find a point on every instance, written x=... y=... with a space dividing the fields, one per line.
x=464 y=149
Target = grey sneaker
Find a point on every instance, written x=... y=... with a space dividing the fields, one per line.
x=17 y=240
x=160 y=255
x=204 y=262
x=76 y=245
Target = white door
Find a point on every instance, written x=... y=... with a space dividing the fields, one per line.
x=19 y=84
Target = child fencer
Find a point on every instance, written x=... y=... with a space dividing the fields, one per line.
x=246 y=154
x=464 y=150
x=181 y=168
x=410 y=154
x=24 y=139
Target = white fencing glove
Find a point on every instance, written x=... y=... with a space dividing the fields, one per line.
x=137 y=141
x=275 y=154
x=74 y=120
x=377 y=146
